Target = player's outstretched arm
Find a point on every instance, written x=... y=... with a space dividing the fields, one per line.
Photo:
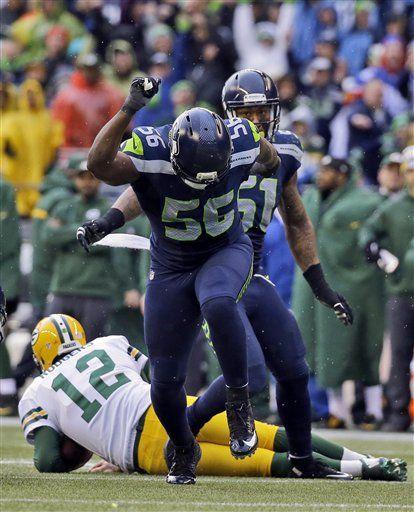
x=125 y=208
x=104 y=160
x=268 y=160
x=302 y=241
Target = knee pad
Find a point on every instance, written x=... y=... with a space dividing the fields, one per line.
x=295 y=370
x=257 y=379
x=168 y=372
x=218 y=309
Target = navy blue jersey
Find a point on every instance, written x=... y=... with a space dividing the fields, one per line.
x=259 y=197
x=188 y=225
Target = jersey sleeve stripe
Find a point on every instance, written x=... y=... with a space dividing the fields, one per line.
x=151 y=166
x=291 y=150
x=41 y=415
x=134 y=353
x=36 y=409
x=244 y=157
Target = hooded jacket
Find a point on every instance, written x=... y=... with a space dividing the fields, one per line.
x=32 y=138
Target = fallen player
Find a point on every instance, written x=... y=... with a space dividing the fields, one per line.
x=95 y=398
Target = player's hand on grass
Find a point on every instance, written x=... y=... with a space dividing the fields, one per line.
x=141 y=91
x=104 y=467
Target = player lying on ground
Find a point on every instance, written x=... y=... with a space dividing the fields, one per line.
x=96 y=394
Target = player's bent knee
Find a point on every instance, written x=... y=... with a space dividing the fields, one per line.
x=296 y=370
x=218 y=309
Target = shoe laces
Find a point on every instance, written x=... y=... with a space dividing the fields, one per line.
x=240 y=419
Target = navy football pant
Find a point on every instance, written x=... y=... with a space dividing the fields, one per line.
x=173 y=305
x=273 y=340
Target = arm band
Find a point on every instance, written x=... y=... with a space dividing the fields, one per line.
x=114 y=219
x=316 y=279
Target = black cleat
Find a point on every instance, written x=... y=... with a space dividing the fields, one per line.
x=182 y=463
x=316 y=469
x=243 y=437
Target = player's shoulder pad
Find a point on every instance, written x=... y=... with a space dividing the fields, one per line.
x=115 y=340
x=287 y=143
x=148 y=143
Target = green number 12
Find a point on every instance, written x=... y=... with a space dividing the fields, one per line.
x=90 y=409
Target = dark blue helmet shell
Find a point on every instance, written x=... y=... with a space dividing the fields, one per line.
x=252 y=88
x=200 y=146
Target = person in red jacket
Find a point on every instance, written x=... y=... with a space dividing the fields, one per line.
x=86 y=103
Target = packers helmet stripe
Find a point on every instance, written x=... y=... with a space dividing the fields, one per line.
x=60 y=334
x=59 y=323
x=67 y=327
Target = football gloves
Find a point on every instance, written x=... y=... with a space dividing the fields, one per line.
x=94 y=230
x=328 y=297
x=142 y=89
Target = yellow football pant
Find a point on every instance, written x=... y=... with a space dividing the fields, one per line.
x=216 y=458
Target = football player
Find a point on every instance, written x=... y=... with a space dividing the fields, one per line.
x=274 y=339
x=186 y=178
x=95 y=398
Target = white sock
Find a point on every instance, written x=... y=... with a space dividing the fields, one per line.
x=7 y=387
x=352 y=467
x=336 y=403
x=350 y=455
x=373 y=401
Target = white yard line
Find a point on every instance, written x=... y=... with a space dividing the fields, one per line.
x=254 y=505
x=81 y=475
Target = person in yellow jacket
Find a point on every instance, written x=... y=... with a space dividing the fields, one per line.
x=31 y=138
x=8 y=105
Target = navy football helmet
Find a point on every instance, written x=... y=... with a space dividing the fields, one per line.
x=200 y=146
x=252 y=88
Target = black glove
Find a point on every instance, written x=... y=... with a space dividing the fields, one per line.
x=141 y=91
x=328 y=297
x=372 y=252
x=94 y=230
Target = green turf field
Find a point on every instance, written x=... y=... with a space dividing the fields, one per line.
x=23 y=489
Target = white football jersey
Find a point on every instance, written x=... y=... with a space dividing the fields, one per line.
x=95 y=395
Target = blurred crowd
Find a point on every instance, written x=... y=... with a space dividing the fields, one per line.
x=344 y=70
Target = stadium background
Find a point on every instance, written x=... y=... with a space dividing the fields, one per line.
x=344 y=70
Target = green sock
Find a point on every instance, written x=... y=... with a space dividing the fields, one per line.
x=327 y=448
x=319 y=445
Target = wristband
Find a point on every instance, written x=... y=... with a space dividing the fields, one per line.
x=114 y=219
x=129 y=111
x=316 y=279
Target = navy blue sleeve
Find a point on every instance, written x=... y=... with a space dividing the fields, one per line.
x=290 y=151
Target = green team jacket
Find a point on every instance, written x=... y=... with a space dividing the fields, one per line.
x=392 y=226
x=55 y=188
x=130 y=266
x=335 y=352
x=74 y=271
x=9 y=241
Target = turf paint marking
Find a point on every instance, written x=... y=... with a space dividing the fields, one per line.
x=83 y=476
x=203 y=504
